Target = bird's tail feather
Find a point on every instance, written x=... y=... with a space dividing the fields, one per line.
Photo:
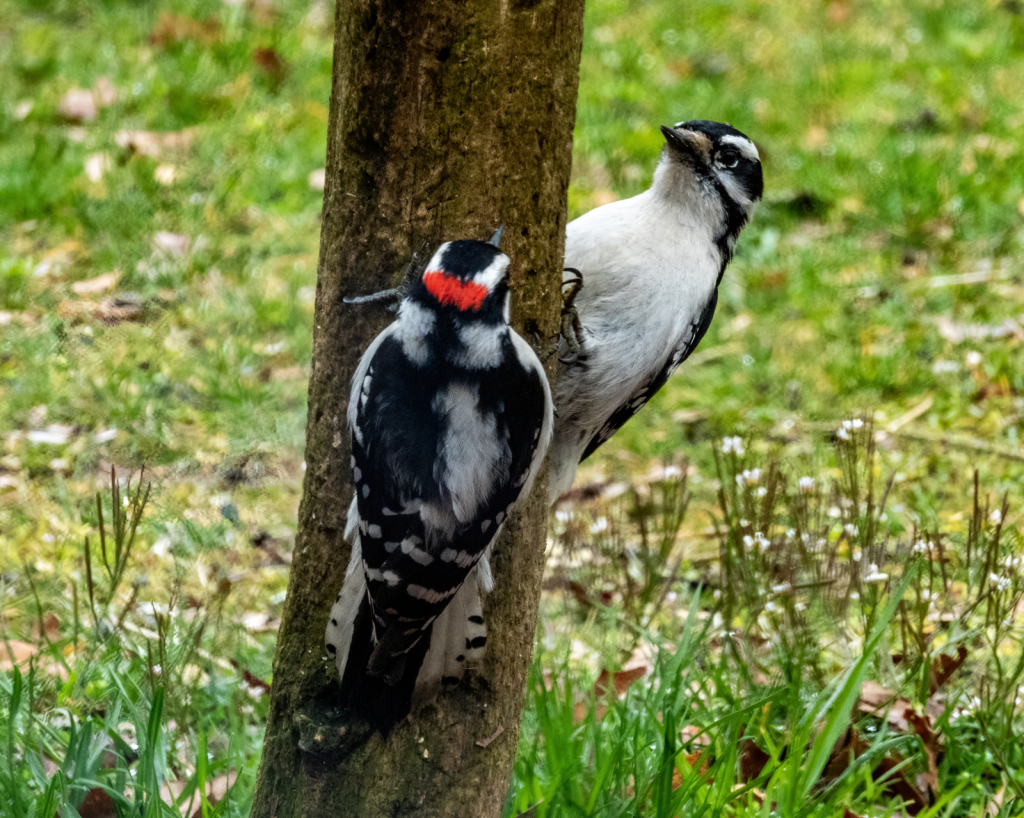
x=457 y=640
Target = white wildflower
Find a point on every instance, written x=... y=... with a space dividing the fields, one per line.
x=748 y=541
x=782 y=588
x=748 y=477
x=851 y=530
x=732 y=445
x=874 y=575
x=761 y=491
x=806 y=485
x=847 y=427
x=856 y=554
x=922 y=547
x=996 y=517
x=599 y=525
x=762 y=542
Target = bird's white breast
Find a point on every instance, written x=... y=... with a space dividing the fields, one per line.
x=649 y=267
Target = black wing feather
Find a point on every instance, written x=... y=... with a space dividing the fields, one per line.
x=649 y=390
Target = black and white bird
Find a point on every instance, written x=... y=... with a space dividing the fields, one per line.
x=651 y=266
x=451 y=416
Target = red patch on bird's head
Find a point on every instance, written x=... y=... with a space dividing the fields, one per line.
x=464 y=295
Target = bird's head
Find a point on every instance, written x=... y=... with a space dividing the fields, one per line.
x=469 y=278
x=717 y=163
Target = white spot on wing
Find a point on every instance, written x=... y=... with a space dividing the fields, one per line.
x=430 y=595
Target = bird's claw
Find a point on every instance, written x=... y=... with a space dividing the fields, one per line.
x=571 y=329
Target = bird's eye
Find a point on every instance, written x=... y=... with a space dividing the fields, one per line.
x=728 y=157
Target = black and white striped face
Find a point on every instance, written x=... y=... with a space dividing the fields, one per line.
x=724 y=159
x=469 y=277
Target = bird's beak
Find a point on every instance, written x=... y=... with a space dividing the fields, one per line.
x=689 y=143
x=496 y=238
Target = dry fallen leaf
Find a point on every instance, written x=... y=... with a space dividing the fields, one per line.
x=922 y=726
x=606 y=682
x=78 y=105
x=174 y=244
x=100 y=284
x=152 y=143
x=14 y=653
x=97 y=804
x=752 y=761
x=270 y=62
x=97 y=164
x=943 y=667
x=104 y=93
x=174 y=28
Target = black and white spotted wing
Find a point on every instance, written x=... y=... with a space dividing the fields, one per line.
x=636 y=402
x=439 y=459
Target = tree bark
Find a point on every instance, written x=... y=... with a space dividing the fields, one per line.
x=447 y=119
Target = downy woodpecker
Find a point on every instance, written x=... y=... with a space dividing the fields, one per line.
x=451 y=416
x=651 y=266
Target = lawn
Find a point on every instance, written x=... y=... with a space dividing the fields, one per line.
x=794 y=582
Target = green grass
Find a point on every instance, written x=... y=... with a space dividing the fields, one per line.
x=881 y=278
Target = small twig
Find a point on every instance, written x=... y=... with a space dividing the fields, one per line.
x=485 y=741
x=910 y=415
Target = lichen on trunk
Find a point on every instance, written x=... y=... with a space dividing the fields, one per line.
x=448 y=118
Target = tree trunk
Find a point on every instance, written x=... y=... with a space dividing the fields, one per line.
x=448 y=118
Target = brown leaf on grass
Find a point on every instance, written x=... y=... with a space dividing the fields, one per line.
x=752 y=761
x=97 y=804
x=51 y=627
x=606 y=682
x=216 y=789
x=96 y=165
x=874 y=698
x=153 y=143
x=14 y=653
x=115 y=309
x=173 y=244
x=58 y=258
x=889 y=771
x=270 y=62
x=78 y=105
x=104 y=93
x=174 y=28
x=100 y=284
x=944 y=667
x=928 y=781
x=621 y=680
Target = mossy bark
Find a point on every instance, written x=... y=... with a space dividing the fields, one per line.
x=448 y=118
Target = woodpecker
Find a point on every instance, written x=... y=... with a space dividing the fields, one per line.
x=650 y=267
x=450 y=416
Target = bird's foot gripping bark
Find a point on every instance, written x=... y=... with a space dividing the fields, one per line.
x=571 y=329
